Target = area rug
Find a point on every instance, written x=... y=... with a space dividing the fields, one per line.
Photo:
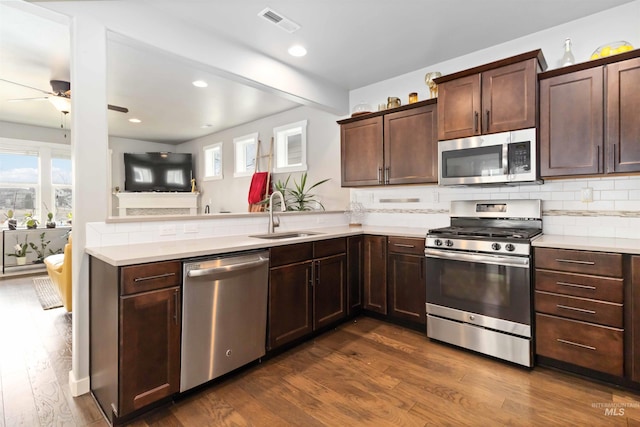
x=47 y=293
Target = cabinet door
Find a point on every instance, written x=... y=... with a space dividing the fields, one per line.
x=361 y=152
x=407 y=287
x=355 y=270
x=375 y=274
x=290 y=298
x=411 y=146
x=623 y=111
x=329 y=290
x=509 y=97
x=149 y=348
x=459 y=108
x=571 y=124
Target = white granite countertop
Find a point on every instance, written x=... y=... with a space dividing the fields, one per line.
x=600 y=244
x=179 y=249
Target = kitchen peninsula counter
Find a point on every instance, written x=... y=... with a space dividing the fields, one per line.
x=123 y=255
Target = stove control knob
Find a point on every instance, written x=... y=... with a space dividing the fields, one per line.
x=449 y=243
x=509 y=247
x=438 y=242
x=496 y=246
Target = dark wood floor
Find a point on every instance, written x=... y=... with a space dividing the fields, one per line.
x=364 y=373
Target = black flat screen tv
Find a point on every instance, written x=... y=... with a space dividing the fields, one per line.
x=157 y=171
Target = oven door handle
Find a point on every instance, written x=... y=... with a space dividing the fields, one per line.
x=509 y=261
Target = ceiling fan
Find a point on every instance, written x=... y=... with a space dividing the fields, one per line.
x=59 y=96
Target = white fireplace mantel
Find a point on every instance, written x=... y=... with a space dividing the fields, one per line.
x=156 y=203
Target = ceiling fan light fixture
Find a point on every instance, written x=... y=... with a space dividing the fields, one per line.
x=61 y=103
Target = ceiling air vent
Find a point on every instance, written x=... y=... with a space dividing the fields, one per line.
x=279 y=20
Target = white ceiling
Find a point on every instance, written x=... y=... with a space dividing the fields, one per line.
x=351 y=43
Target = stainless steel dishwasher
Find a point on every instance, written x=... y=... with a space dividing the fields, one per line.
x=224 y=315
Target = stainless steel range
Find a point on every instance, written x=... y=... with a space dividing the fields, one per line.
x=479 y=289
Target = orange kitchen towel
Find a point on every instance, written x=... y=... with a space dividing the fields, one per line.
x=258 y=187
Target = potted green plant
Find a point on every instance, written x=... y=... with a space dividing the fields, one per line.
x=20 y=251
x=50 y=221
x=41 y=250
x=299 y=197
x=11 y=221
x=30 y=221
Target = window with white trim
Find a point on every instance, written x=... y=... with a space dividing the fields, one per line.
x=213 y=161
x=35 y=177
x=62 y=187
x=244 y=149
x=290 y=147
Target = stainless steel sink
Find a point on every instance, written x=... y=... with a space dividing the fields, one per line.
x=285 y=235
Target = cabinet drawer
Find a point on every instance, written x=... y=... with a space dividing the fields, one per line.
x=589 y=310
x=147 y=277
x=324 y=248
x=290 y=254
x=406 y=245
x=580 y=285
x=585 y=262
x=580 y=343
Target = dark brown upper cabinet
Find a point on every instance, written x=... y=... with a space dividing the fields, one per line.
x=398 y=146
x=589 y=117
x=496 y=97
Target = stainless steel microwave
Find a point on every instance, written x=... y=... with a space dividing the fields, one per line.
x=499 y=158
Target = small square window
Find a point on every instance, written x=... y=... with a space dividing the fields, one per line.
x=245 y=154
x=213 y=162
x=291 y=147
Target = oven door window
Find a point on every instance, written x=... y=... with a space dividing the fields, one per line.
x=492 y=290
x=473 y=162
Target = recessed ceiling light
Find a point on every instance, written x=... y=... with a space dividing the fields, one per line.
x=297 y=50
x=135 y=120
x=206 y=126
x=200 y=83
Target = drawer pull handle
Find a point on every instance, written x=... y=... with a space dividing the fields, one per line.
x=575 y=285
x=158 y=276
x=403 y=245
x=581 y=310
x=588 y=347
x=575 y=261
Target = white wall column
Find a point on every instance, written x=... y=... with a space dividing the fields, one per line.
x=89 y=147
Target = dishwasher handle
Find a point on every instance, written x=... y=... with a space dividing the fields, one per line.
x=226 y=269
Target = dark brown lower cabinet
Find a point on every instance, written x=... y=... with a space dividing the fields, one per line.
x=150 y=349
x=290 y=298
x=375 y=274
x=135 y=314
x=307 y=289
x=355 y=274
x=632 y=305
x=406 y=279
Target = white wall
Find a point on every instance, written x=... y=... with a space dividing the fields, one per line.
x=587 y=34
x=34 y=133
x=323 y=159
x=615 y=210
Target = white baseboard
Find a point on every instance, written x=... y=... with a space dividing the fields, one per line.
x=78 y=386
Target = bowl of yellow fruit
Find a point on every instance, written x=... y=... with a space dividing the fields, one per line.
x=611 y=49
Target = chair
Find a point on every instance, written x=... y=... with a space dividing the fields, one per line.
x=59 y=270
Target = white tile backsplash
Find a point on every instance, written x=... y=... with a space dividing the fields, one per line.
x=612 y=213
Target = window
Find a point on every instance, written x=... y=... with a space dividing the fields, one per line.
x=213 y=161
x=35 y=177
x=291 y=147
x=245 y=154
x=19 y=183
x=62 y=187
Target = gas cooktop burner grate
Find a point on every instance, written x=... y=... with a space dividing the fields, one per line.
x=512 y=233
